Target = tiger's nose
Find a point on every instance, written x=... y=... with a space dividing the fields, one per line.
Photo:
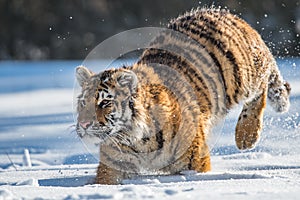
x=84 y=124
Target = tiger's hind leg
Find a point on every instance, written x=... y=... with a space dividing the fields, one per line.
x=250 y=122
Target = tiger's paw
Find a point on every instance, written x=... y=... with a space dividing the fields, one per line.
x=247 y=134
x=250 y=122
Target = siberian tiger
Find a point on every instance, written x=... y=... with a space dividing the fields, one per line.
x=136 y=113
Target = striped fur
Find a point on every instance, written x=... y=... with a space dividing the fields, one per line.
x=153 y=117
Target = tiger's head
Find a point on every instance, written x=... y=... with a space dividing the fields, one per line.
x=107 y=105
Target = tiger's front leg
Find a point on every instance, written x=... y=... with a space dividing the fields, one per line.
x=108 y=176
x=250 y=122
x=200 y=156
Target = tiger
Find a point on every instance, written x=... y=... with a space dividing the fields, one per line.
x=141 y=119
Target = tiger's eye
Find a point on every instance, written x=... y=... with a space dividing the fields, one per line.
x=104 y=103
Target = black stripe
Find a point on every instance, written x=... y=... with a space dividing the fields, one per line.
x=124 y=165
x=104 y=86
x=228 y=54
x=159 y=139
x=231 y=58
x=190 y=161
x=105 y=90
x=207 y=35
x=211 y=24
x=131 y=107
x=174 y=61
x=187 y=21
x=237 y=30
x=145 y=140
x=123 y=106
x=228 y=99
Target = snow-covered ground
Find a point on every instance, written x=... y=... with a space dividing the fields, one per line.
x=36 y=114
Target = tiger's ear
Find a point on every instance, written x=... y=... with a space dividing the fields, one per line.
x=83 y=74
x=127 y=78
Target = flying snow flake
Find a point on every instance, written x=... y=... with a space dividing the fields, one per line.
x=70 y=17
x=50 y=28
x=265 y=15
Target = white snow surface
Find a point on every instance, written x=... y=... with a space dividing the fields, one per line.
x=41 y=121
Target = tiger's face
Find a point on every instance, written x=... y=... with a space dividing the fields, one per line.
x=106 y=104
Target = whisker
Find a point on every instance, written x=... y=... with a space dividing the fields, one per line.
x=71 y=126
x=102 y=137
x=71 y=129
x=127 y=137
x=123 y=138
x=115 y=142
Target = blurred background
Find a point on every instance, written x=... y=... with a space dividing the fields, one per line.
x=61 y=29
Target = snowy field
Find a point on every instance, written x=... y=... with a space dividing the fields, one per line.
x=36 y=114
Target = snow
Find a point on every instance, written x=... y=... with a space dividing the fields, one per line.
x=38 y=116
x=35 y=105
